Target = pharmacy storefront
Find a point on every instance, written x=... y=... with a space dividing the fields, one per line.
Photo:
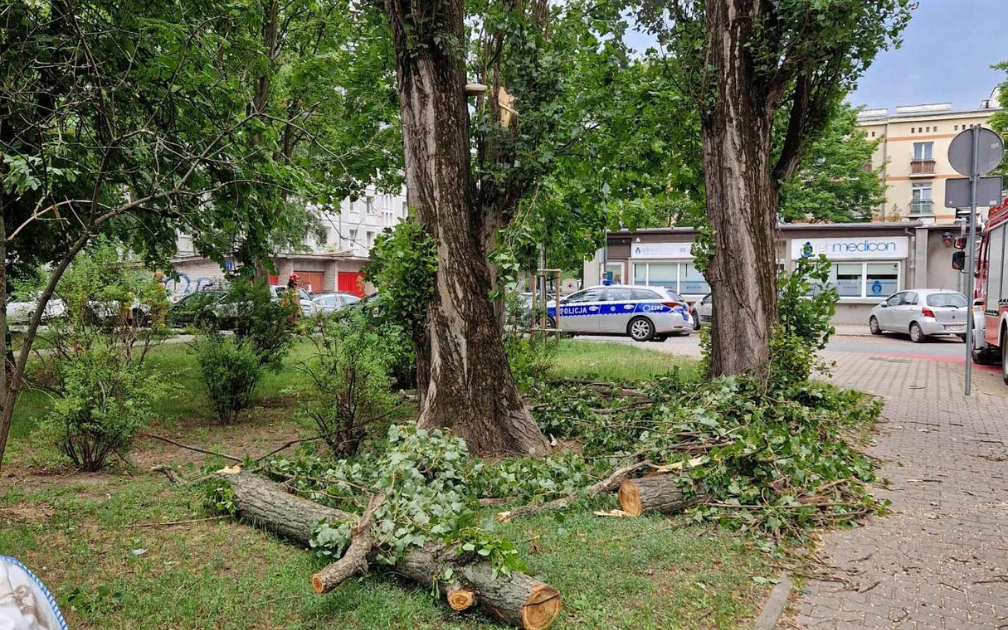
x=868 y=261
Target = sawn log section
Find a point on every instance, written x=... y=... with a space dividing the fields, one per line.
x=520 y=599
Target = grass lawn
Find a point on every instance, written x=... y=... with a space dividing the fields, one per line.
x=125 y=550
x=611 y=361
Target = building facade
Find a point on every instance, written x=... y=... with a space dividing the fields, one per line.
x=334 y=262
x=869 y=261
x=913 y=155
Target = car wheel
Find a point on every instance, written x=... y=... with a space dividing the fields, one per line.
x=874 y=327
x=916 y=334
x=640 y=329
x=696 y=320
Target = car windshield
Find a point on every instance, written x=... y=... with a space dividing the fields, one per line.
x=957 y=300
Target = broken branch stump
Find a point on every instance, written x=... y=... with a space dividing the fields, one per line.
x=657 y=493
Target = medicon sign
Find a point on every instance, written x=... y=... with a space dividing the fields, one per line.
x=852 y=248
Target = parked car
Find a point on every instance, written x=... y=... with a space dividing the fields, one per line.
x=328 y=303
x=702 y=311
x=921 y=313
x=307 y=306
x=194 y=309
x=642 y=313
x=108 y=313
x=19 y=312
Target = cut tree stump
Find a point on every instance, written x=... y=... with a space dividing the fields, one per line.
x=355 y=559
x=518 y=599
x=657 y=493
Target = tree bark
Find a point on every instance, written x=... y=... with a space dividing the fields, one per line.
x=518 y=599
x=742 y=196
x=469 y=388
x=657 y=493
x=355 y=560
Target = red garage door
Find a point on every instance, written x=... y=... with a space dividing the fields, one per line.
x=351 y=282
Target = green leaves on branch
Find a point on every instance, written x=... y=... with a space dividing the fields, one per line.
x=403 y=267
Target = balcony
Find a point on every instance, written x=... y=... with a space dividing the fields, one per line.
x=921 y=208
x=922 y=168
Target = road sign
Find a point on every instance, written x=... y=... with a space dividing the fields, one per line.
x=957 y=192
x=989 y=149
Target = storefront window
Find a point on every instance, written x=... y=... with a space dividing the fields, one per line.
x=692 y=282
x=663 y=275
x=640 y=273
x=616 y=269
x=848 y=279
x=883 y=279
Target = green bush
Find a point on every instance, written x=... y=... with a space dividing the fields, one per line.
x=352 y=381
x=95 y=363
x=231 y=369
x=806 y=304
x=266 y=326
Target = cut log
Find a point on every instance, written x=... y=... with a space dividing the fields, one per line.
x=610 y=483
x=460 y=599
x=518 y=599
x=657 y=493
x=355 y=560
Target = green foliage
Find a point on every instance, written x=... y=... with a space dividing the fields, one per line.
x=999 y=119
x=530 y=478
x=352 y=380
x=218 y=497
x=95 y=364
x=231 y=369
x=530 y=356
x=265 y=325
x=427 y=498
x=805 y=305
x=403 y=267
x=832 y=183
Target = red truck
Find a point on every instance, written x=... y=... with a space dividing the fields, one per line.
x=990 y=312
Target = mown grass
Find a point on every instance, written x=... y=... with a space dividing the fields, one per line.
x=103 y=534
x=612 y=361
x=124 y=550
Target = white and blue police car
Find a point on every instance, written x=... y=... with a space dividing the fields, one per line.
x=642 y=313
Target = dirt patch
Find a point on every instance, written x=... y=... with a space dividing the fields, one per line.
x=26 y=513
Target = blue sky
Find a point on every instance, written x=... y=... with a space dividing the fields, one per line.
x=946 y=56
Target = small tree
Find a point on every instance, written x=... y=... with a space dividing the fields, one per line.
x=95 y=364
x=352 y=380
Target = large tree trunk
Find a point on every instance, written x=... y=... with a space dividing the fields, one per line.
x=741 y=196
x=469 y=389
x=518 y=599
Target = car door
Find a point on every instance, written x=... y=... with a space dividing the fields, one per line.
x=580 y=312
x=887 y=314
x=906 y=312
x=616 y=310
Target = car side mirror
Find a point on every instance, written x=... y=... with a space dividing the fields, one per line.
x=884 y=304
x=959 y=260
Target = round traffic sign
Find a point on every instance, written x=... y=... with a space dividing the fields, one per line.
x=989 y=151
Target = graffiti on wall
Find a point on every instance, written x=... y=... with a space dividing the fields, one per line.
x=184 y=285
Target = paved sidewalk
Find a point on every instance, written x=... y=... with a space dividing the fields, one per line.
x=940 y=559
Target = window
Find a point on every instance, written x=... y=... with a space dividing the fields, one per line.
x=588 y=295
x=619 y=295
x=882 y=279
x=353 y=236
x=848 y=278
x=995 y=269
x=370 y=240
x=369 y=205
x=682 y=277
x=910 y=298
x=957 y=300
x=955 y=127
x=873 y=134
x=405 y=209
x=923 y=150
x=691 y=281
x=644 y=294
x=895 y=300
x=920 y=202
x=616 y=269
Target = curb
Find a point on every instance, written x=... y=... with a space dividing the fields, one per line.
x=775 y=604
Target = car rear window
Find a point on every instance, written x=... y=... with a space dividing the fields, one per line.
x=947 y=299
x=645 y=294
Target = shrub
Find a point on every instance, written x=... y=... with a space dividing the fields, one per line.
x=806 y=303
x=104 y=400
x=266 y=326
x=352 y=381
x=231 y=370
x=95 y=363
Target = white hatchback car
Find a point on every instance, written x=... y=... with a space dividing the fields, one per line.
x=642 y=313
x=921 y=313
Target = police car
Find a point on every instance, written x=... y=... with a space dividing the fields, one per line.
x=642 y=313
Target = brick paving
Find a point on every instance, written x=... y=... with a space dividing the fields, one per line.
x=940 y=559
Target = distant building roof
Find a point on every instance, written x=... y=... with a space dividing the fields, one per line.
x=924 y=111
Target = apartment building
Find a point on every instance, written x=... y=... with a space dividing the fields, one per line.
x=331 y=263
x=913 y=155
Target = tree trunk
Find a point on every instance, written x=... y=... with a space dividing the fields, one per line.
x=518 y=599
x=6 y=353
x=470 y=389
x=655 y=494
x=741 y=196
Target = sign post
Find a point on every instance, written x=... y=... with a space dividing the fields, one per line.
x=974 y=152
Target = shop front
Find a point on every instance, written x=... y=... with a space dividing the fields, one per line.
x=868 y=261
